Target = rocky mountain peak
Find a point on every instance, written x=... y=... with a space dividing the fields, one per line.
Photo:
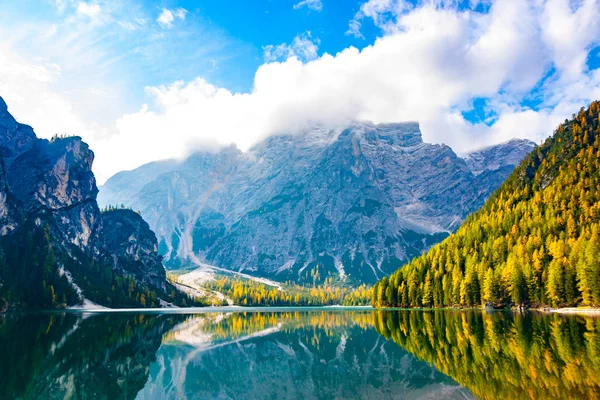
x=125 y=241
x=53 y=175
x=491 y=158
x=15 y=138
x=404 y=134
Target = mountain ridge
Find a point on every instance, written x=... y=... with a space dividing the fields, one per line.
x=355 y=201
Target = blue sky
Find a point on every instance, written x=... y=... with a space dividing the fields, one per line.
x=221 y=41
x=168 y=77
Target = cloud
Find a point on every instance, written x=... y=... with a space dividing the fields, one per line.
x=66 y=73
x=384 y=14
x=26 y=88
x=88 y=9
x=316 y=5
x=354 y=29
x=431 y=63
x=303 y=47
x=428 y=66
x=167 y=16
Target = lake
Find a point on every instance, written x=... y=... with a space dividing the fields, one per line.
x=299 y=354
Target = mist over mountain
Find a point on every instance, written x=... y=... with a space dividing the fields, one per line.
x=354 y=203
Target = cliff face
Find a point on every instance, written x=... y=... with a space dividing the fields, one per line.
x=54 y=180
x=123 y=240
x=51 y=183
x=354 y=203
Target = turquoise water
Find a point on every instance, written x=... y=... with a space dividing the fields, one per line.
x=298 y=354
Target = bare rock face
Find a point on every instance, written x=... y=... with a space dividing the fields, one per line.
x=495 y=157
x=7 y=222
x=124 y=240
x=15 y=138
x=54 y=179
x=54 y=175
x=353 y=203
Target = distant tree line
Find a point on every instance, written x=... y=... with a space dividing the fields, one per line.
x=56 y=137
x=246 y=292
x=116 y=207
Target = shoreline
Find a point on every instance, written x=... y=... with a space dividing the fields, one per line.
x=95 y=308
x=571 y=310
x=191 y=310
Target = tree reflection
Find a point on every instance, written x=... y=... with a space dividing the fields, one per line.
x=67 y=355
x=504 y=355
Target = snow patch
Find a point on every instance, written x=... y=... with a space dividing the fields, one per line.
x=88 y=305
x=206 y=267
x=286 y=266
x=339 y=266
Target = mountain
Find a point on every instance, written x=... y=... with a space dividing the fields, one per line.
x=353 y=203
x=492 y=165
x=56 y=247
x=501 y=156
x=535 y=242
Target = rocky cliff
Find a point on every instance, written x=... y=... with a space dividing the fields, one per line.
x=353 y=203
x=122 y=237
x=48 y=186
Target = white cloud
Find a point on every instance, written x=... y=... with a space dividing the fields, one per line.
x=431 y=62
x=303 y=47
x=354 y=29
x=88 y=9
x=316 y=5
x=570 y=51
x=26 y=88
x=167 y=17
x=68 y=73
x=384 y=13
x=429 y=67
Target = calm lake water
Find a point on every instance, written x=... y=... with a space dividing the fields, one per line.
x=299 y=354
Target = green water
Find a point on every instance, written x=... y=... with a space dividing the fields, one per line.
x=299 y=354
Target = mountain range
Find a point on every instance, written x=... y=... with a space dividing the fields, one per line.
x=351 y=203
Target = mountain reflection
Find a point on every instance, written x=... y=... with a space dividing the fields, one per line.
x=312 y=355
x=504 y=355
x=260 y=355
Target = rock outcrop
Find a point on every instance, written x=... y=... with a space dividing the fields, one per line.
x=123 y=240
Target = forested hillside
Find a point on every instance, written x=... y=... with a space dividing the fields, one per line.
x=536 y=241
